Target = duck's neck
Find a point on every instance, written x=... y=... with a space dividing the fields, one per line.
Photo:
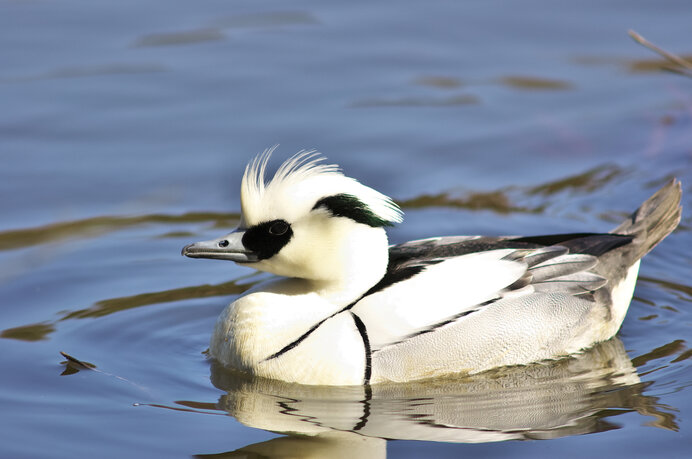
x=356 y=266
x=340 y=263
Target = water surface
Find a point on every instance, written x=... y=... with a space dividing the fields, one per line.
x=125 y=129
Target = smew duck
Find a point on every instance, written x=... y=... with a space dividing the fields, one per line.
x=349 y=309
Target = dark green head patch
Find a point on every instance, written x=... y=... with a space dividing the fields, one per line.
x=349 y=206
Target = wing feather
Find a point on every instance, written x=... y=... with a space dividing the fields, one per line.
x=434 y=282
x=438 y=293
x=563 y=265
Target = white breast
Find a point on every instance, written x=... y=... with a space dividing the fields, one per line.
x=255 y=328
x=333 y=354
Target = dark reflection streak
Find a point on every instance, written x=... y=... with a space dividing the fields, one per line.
x=663 y=415
x=497 y=201
x=683 y=356
x=535 y=83
x=97 y=226
x=668 y=285
x=589 y=181
x=653 y=370
x=643 y=300
x=645 y=406
x=666 y=350
x=106 y=307
x=501 y=200
x=175 y=408
x=657 y=65
x=635 y=66
x=198 y=405
x=32 y=332
x=40 y=331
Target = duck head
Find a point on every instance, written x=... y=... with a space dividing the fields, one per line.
x=309 y=221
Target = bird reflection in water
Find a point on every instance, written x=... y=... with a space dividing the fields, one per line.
x=554 y=399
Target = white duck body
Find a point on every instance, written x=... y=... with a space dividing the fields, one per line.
x=352 y=310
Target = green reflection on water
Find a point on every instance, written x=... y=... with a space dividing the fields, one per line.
x=534 y=83
x=42 y=330
x=31 y=332
x=113 y=305
x=589 y=181
x=98 y=226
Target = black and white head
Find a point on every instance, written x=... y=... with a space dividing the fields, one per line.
x=310 y=221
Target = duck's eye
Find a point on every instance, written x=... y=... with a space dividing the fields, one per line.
x=268 y=238
x=278 y=228
x=223 y=243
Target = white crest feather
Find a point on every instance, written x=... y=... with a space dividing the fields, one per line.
x=298 y=184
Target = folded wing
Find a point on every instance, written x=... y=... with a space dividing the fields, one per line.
x=432 y=283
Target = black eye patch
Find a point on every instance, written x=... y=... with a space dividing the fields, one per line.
x=278 y=228
x=268 y=238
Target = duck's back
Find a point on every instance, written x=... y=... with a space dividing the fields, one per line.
x=471 y=304
x=468 y=304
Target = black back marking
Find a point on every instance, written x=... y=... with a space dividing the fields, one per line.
x=268 y=238
x=587 y=243
x=397 y=271
x=349 y=206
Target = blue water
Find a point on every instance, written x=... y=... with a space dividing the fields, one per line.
x=125 y=128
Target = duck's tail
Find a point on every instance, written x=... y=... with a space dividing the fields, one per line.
x=655 y=219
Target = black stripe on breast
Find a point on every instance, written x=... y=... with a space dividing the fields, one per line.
x=366 y=345
x=299 y=340
x=359 y=325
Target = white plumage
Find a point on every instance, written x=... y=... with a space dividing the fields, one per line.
x=298 y=184
x=351 y=310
